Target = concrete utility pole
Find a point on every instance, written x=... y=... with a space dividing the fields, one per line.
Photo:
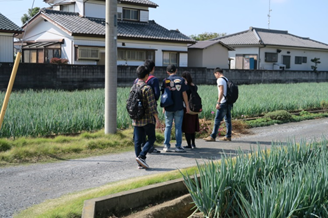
x=111 y=67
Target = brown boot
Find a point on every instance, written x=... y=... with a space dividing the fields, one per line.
x=209 y=139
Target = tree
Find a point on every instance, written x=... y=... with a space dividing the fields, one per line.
x=316 y=61
x=31 y=13
x=206 y=36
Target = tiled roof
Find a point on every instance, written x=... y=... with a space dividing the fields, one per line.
x=258 y=36
x=142 y=2
x=7 y=25
x=77 y=25
x=208 y=43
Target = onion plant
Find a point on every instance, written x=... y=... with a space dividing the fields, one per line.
x=287 y=181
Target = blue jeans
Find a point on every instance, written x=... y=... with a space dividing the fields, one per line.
x=177 y=116
x=139 y=135
x=224 y=111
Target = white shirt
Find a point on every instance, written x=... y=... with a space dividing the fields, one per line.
x=222 y=82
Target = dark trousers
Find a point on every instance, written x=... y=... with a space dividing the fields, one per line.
x=139 y=136
x=190 y=137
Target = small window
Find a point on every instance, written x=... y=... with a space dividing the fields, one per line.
x=130 y=14
x=305 y=60
x=271 y=57
x=135 y=54
x=170 y=58
x=298 y=60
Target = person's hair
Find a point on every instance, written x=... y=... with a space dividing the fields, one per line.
x=150 y=64
x=187 y=76
x=142 y=71
x=218 y=70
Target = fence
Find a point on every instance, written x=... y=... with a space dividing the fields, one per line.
x=79 y=77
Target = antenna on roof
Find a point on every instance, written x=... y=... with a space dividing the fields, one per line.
x=269 y=16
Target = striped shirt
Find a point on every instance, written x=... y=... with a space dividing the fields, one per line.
x=148 y=98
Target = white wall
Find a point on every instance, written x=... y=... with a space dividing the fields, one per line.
x=6 y=47
x=293 y=52
x=94 y=9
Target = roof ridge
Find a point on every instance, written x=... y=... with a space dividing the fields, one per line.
x=229 y=35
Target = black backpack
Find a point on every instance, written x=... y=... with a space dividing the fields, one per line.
x=195 y=101
x=134 y=105
x=232 y=91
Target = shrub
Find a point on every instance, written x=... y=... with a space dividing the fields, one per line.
x=324 y=104
x=58 y=61
x=4 y=146
x=279 y=115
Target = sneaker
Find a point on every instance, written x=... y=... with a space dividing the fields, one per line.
x=188 y=146
x=193 y=146
x=209 y=139
x=166 y=149
x=179 y=149
x=142 y=162
x=227 y=139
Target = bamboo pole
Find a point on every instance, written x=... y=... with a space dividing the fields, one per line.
x=9 y=88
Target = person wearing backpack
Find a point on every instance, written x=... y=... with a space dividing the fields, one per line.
x=175 y=89
x=145 y=126
x=153 y=82
x=223 y=108
x=190 y=124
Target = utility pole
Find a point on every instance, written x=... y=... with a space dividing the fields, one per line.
x=111 y=67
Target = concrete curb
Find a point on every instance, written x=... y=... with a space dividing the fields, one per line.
x=124 y=201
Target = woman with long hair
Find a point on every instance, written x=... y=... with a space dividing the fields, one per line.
x=190 y=123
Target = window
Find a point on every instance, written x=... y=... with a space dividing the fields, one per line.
x=271 y=57
x=135 y=54
x=51 y=53
x=88 y=53
x=130 y=14
x=300 y=60
x=305 y=60
x=170 y=58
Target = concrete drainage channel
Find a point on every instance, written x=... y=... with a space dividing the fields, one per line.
x=121 y=204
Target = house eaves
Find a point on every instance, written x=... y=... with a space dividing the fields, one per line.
x=140 y=2
x=76 y=25
x=131 y=2
x=8 y=26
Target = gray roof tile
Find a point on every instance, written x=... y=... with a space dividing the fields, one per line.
x=208 y=43
x=75 y=25
x=142 y=2
x=257 y=36
x=7 y=25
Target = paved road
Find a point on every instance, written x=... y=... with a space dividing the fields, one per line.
x=24 y=186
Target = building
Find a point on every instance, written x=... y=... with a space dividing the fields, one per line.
x=75 y=30
x=7 y=31
x=269 y=49
x=210 y=54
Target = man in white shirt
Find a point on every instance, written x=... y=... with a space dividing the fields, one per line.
x=223 y=109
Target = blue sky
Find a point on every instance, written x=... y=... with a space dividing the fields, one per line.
x=303 y=18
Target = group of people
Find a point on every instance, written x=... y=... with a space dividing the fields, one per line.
x=184 y=121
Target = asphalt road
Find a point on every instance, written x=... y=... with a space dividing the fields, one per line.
x=24 y=186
